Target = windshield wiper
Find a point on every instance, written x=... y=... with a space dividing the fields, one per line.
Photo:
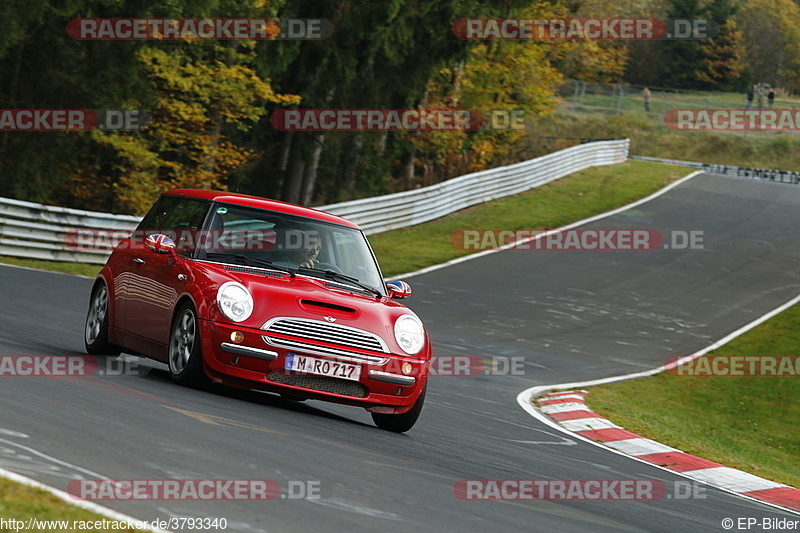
x=252 y=261
x=332 y=274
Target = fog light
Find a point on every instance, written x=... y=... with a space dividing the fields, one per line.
x=407 y=368
x=237 y=336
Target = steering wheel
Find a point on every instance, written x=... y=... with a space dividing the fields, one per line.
x=329 y=266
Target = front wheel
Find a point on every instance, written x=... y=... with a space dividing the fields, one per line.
x=95 y=336
x=400 y=423
x=185 y=357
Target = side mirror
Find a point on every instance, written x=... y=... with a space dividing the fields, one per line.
x=398 y=289
x=160 y=244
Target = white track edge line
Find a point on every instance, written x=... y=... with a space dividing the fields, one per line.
x=82 y=504
x=562 y=228
x=526 y=397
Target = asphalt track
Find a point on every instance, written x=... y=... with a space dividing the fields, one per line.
x=570 y=315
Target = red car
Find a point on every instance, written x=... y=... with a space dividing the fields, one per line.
x=266 y=295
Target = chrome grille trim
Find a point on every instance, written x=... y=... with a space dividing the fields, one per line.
x=317 y=330
x=325 y=351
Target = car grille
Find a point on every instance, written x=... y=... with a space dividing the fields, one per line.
x=321 y=383
x=316 y=330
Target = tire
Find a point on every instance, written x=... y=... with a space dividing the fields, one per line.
x=95 y=331
x=400 y=423
x=185 y=356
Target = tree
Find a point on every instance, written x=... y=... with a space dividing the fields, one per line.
x=186 y=145
x=722 y=62
x=684 y=54
x=382 y=55
x=771 y=34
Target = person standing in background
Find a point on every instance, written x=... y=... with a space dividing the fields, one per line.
x=646 y=94
x=771 y=97
x=750 y=94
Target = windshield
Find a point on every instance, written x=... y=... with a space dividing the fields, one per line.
x=290 y=242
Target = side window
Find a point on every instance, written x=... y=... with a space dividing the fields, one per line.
x=237 y=230
x=173 y=213
x=179 y=218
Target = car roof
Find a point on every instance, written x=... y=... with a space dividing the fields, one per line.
x=247 y=200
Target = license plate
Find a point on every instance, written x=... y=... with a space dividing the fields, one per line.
x=322 y=367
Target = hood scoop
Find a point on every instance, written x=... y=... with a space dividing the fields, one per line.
x=327 y=308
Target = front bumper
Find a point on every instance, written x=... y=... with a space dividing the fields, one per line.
x=253 y=363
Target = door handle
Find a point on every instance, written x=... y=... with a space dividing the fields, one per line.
x=138 y=260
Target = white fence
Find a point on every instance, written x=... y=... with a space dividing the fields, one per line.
x=36 y=231
x=407 y=208
x=44 y=232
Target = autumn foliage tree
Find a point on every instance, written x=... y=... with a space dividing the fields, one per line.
x=722 y=61
x=187 y=144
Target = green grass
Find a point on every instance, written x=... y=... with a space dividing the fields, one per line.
x=749 y=423
x=650 y=137
x=20 y=502
x=602 y=99
x=569 y=199
x=80 y=269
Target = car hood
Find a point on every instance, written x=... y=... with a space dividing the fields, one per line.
x=277 y=294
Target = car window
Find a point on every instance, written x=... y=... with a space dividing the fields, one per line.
x=354 y=258
x=288 y=241
x=178 y=218
x=173 y=213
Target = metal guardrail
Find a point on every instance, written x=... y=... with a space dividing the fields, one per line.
x=781 y=176
x=407 y=208
x=36 y=231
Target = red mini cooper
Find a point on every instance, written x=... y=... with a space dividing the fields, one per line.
x=266 y=295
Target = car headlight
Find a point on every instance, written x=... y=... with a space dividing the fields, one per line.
x=235 y=301
x=409 y=334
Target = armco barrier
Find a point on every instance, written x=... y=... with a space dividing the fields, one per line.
x=407 y=208
x=38 y=231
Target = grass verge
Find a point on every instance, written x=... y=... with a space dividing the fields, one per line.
x=80 y=269
x=20 y=502
x=749 y=423
x=650 y=137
